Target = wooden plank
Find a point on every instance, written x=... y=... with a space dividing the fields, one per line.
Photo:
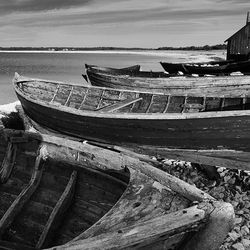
x=167 y=104
x=56 y=215
x=71 y=91
x=6 y=245
x=233 y=159
x=8 y=162
x=119 y=105
x=184 y=106
x=84 y=98
x=57 y=89
x=151 y=100
x=100 y=101
x=149 y=231
x=23 y=197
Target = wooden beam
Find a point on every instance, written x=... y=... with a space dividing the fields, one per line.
x=71 y=91
x=84 y=98
x=149 y=105
x=23 y=197
x=119 y=105
x=145 y=232
x=54 y=96
x=56 y=215
x=8 y=162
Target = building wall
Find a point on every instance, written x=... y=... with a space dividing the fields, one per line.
x=238 y=46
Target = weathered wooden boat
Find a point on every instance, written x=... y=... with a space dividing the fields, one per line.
x=210 y=69
x=66 y=194
x=216 y=127
x=134 y=68
x=175 y=68
x=160 y=82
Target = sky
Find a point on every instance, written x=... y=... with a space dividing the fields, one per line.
x=119 y=23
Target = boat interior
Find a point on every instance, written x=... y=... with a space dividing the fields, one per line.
x=100 y=99
x=43 y=202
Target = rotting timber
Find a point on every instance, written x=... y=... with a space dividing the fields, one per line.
x=202 y=129
x=59 y=192
x=160 y=82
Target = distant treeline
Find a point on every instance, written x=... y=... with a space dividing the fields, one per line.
x=205 y=47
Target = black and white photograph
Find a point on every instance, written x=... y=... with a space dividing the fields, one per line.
x=125 y=124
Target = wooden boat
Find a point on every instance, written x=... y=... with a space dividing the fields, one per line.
x=114 y=71
x=134 y=68
x=65 y=194
x=175 y=68
x=218 y=128
x=210 y=69
x=160 y=82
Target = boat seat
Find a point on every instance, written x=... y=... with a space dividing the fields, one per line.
x=119 y=105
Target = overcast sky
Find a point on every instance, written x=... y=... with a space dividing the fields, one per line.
x=125 y=23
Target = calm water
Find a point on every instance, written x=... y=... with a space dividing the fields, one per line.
x=70 y=66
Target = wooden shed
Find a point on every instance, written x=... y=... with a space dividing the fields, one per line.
x=238 y=45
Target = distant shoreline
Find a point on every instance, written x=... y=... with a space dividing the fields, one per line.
x=141 y=51
x=90 y=49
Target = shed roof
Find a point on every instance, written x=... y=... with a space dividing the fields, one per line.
x=247 y=23
x=238 y=31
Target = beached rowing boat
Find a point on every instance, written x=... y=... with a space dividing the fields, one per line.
x=161 y=82
x=224 y=68
x=134 y=68
x=218 y=128
x=65 y=194
x=114 y=71
x=175 y=68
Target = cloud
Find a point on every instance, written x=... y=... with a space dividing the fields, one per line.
x=117 y=19
x=10 y=6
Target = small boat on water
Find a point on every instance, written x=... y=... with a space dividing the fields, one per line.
x=161 y=82
x=65 y=194
x=207 y=129
x=224 y=68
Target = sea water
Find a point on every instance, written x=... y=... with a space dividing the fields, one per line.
x=68 y=66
